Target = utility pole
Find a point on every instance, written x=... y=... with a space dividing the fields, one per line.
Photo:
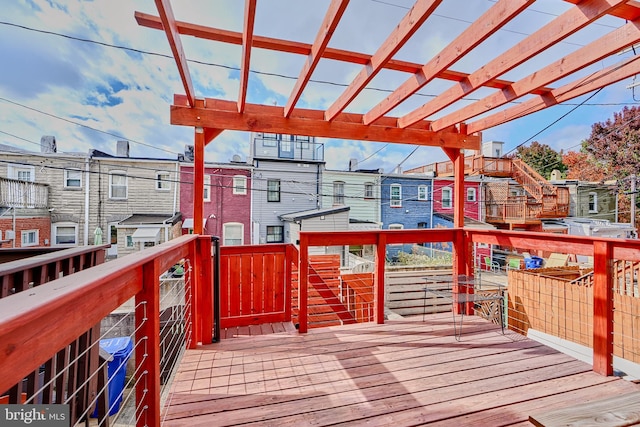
x=633 y=200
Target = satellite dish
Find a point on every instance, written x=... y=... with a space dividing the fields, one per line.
x=236 y=158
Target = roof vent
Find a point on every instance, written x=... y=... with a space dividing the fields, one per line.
x=48 y=144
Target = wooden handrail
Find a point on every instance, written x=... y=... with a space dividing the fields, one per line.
x=34 y=325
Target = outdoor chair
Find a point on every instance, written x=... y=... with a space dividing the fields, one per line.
x=493 y=265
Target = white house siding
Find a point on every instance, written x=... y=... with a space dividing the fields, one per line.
x=68 y=204
x=298 y=191
x=142 y=195
x=363 y=209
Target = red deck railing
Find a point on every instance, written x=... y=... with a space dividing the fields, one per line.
x=64 y=309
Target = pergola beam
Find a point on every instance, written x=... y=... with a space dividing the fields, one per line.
x=407 y=27
x=482 y=28
x=612 y=42
x=247 y=40
x=565 y=93
x=171 y=30
x=327 y=28
x=287 y=46
x=555 y=31
x=218 y=114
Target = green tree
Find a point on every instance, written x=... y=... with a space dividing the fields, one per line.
x=541 y=157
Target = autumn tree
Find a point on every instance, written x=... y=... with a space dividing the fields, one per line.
x=583 y=166
x=615 y=146
x=541 y=157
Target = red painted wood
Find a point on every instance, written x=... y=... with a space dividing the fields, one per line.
x=381 y=255
x=234 y=285
x=205 y=262
x=602 y=308
x=246 y=286
x=258 y=285
x=303 y=281
x=269 y=274
x=278 y=283
x=147 y=346
x=225 y=292
x=198 y=181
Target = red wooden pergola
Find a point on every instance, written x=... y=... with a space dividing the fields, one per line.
x=450 y=132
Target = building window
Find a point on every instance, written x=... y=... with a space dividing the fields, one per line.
x=29 y=238
x=446 y=197
x=129 y=241
x=275 y=234
x=118 y=185
x=270 y=140
x=65 y=234
x=396 y=196
x=239 y=184
x=207 y=188
x=72 y=178
x=273 y=190
x=21 y=173
x=368 y=190
x=338 y=193
x=163 y=181
x=593 y=202
x=233 y=233
x=422 y=192
x=423 y=225
x=471 y=194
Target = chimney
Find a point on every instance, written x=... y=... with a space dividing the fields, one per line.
x=48 y=144
x=188 y=152
x=353 y=165
x=122 y=149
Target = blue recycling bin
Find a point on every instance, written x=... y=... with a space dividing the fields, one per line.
x=533 y=262
x=120 y=349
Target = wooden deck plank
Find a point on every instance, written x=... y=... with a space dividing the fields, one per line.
x=403 y=372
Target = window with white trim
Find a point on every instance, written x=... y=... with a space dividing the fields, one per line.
x=118 y=188
x=395 y=198
x=273 y=190
x=72 y=178
x=270 y=140
x=471 y=194
x=29 y=238
x=422 y=192
x=368 y=190
x=64 y=233
x=163 y=181
x=593 y=202
x=207 y=188
x=129 y=242
x=338 y=192
x=22 y=173
x=233 y=233
x=239 y=184
x=446 y=197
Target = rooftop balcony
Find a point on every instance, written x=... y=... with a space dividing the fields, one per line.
x=230 y=355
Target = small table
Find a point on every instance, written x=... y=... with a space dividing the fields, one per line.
x=469 y=290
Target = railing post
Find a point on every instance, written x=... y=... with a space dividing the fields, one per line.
x=216 y=288
x=147 y=349
x=303 y=279
x=602 y=308
x=290 y=253
x=194 y=298
x=204 y=263
x=381 y=255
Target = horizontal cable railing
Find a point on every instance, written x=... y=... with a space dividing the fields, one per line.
x=145 y=303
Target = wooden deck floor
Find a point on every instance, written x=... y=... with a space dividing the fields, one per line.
x=405 y=372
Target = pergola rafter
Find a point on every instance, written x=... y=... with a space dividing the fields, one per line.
x=209 y=117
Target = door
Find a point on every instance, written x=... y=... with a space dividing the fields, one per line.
x=112 y=251
x=285 y=149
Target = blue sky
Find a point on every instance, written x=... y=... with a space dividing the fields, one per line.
x=89 y=95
